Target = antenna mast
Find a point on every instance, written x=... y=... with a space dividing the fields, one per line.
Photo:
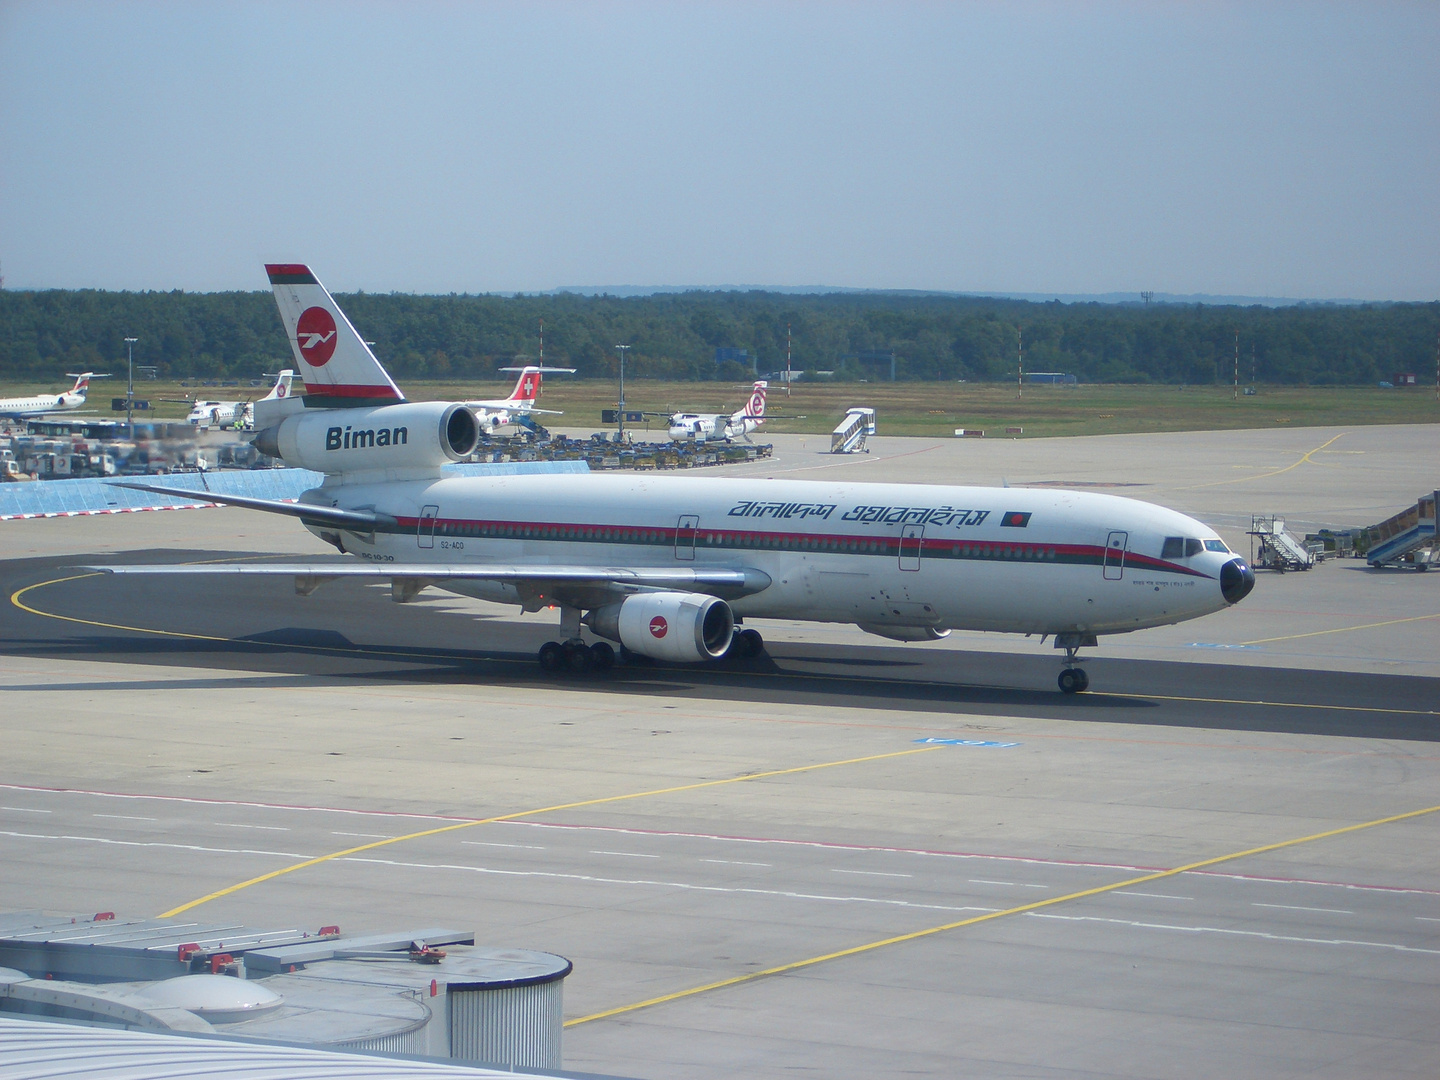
x=789 y=378
x=542 y=342
x=1237 y=363
x=1020 y=362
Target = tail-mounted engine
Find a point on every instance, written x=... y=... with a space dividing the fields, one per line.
x=420 y=435
x=684 y=628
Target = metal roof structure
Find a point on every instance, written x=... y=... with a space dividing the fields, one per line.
x=43 y=1050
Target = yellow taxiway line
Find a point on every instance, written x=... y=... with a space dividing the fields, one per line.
x=898 y=939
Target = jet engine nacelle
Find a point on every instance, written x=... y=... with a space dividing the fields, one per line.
x=422 y=435
x=685 y=628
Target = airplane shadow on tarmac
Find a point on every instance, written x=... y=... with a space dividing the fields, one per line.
x=234 y=625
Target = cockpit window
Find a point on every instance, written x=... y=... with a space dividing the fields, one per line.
x=1174 y=547
x=1193 y=547
x=1217 y=545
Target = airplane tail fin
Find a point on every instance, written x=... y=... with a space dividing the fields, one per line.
x=281 y=389
x=527 y=387
x=336 y=365
x=82 y=382
x=755 y=407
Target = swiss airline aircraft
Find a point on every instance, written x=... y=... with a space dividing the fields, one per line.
x=41 y=404
x=667 y=566
x=496 y=414
x=698 y=427
x=237 y=414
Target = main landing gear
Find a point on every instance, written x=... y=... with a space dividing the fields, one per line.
x=1073 y=680
x=574 y=656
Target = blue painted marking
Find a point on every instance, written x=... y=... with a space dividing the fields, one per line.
x=965 y=742
x=1218 y=645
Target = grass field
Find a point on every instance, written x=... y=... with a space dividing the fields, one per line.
x=915 y=408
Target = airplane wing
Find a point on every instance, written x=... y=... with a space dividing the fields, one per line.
x=538 y=584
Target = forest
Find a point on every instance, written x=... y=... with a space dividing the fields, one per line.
x=677 y=335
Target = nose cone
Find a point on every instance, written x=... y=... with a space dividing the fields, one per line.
x=1236 y=581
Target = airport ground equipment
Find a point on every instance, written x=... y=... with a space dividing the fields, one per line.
x=1273 y=548
x=1408 y=538
x=423 y=990
x=850 y=435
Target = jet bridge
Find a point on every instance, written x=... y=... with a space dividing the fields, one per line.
x=1407 y=539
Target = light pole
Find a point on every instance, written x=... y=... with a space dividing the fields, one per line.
x=620 y=415
x=130 y=388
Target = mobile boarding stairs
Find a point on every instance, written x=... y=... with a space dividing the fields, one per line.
x=1275 y=549
x=1407 y=539
x=849 y=437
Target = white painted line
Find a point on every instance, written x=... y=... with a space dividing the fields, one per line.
x=1238 y=933
x=681 y=885
x=1296 y=907
x=111 y=842
x=1152 y=895
x=125 y=817
x=627 y=854
x=233 y=825
x=525 y=847
x=1011 y=884
x=1424 y=918
x=26 y=810
x=734 y=862
x=870 y=873
x=364 y=835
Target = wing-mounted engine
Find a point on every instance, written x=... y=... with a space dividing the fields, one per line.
x=420 y=435
x=685 y=628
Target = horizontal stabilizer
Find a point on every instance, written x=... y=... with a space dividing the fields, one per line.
x=326 y=515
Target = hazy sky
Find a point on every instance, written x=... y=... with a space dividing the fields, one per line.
x=1249 y=148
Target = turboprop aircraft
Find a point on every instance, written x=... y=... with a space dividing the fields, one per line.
x=496 y=414
x=667 y=566
x=41 y=404
x=698 y=427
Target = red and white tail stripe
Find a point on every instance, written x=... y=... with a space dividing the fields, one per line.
x=334 y=362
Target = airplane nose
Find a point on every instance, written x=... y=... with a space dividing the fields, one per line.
x=1236 y=581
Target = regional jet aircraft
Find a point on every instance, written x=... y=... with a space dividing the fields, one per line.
x=41 y=404
x=496 y=414
x=667 y=566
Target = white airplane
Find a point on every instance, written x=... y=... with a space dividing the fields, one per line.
x=698 y=427
x=239 y=415
x=222 y=414
x=498 y=413
x=41 y=404
x=666 y=565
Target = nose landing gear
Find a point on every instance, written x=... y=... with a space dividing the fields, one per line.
x=1073 y=680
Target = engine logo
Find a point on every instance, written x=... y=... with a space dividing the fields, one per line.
x=658 y=626
x=315 y=334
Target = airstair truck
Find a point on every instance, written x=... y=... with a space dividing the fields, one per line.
x=1407 y=539
x=849 y=437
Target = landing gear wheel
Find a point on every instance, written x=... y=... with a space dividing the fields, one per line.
x=747 y=644
x=602 y=656
x=1074 y=681
x=577 y=657
x=552 y=656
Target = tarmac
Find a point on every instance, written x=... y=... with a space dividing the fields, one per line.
x=856 y=858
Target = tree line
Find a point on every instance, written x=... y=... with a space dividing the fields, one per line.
x=675 y=336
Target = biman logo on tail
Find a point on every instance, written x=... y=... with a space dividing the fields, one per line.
x=315 y=334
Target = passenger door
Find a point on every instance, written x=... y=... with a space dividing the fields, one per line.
x=912 y=538
x=1115 y=546
x=425 y=532
x=685 y=537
